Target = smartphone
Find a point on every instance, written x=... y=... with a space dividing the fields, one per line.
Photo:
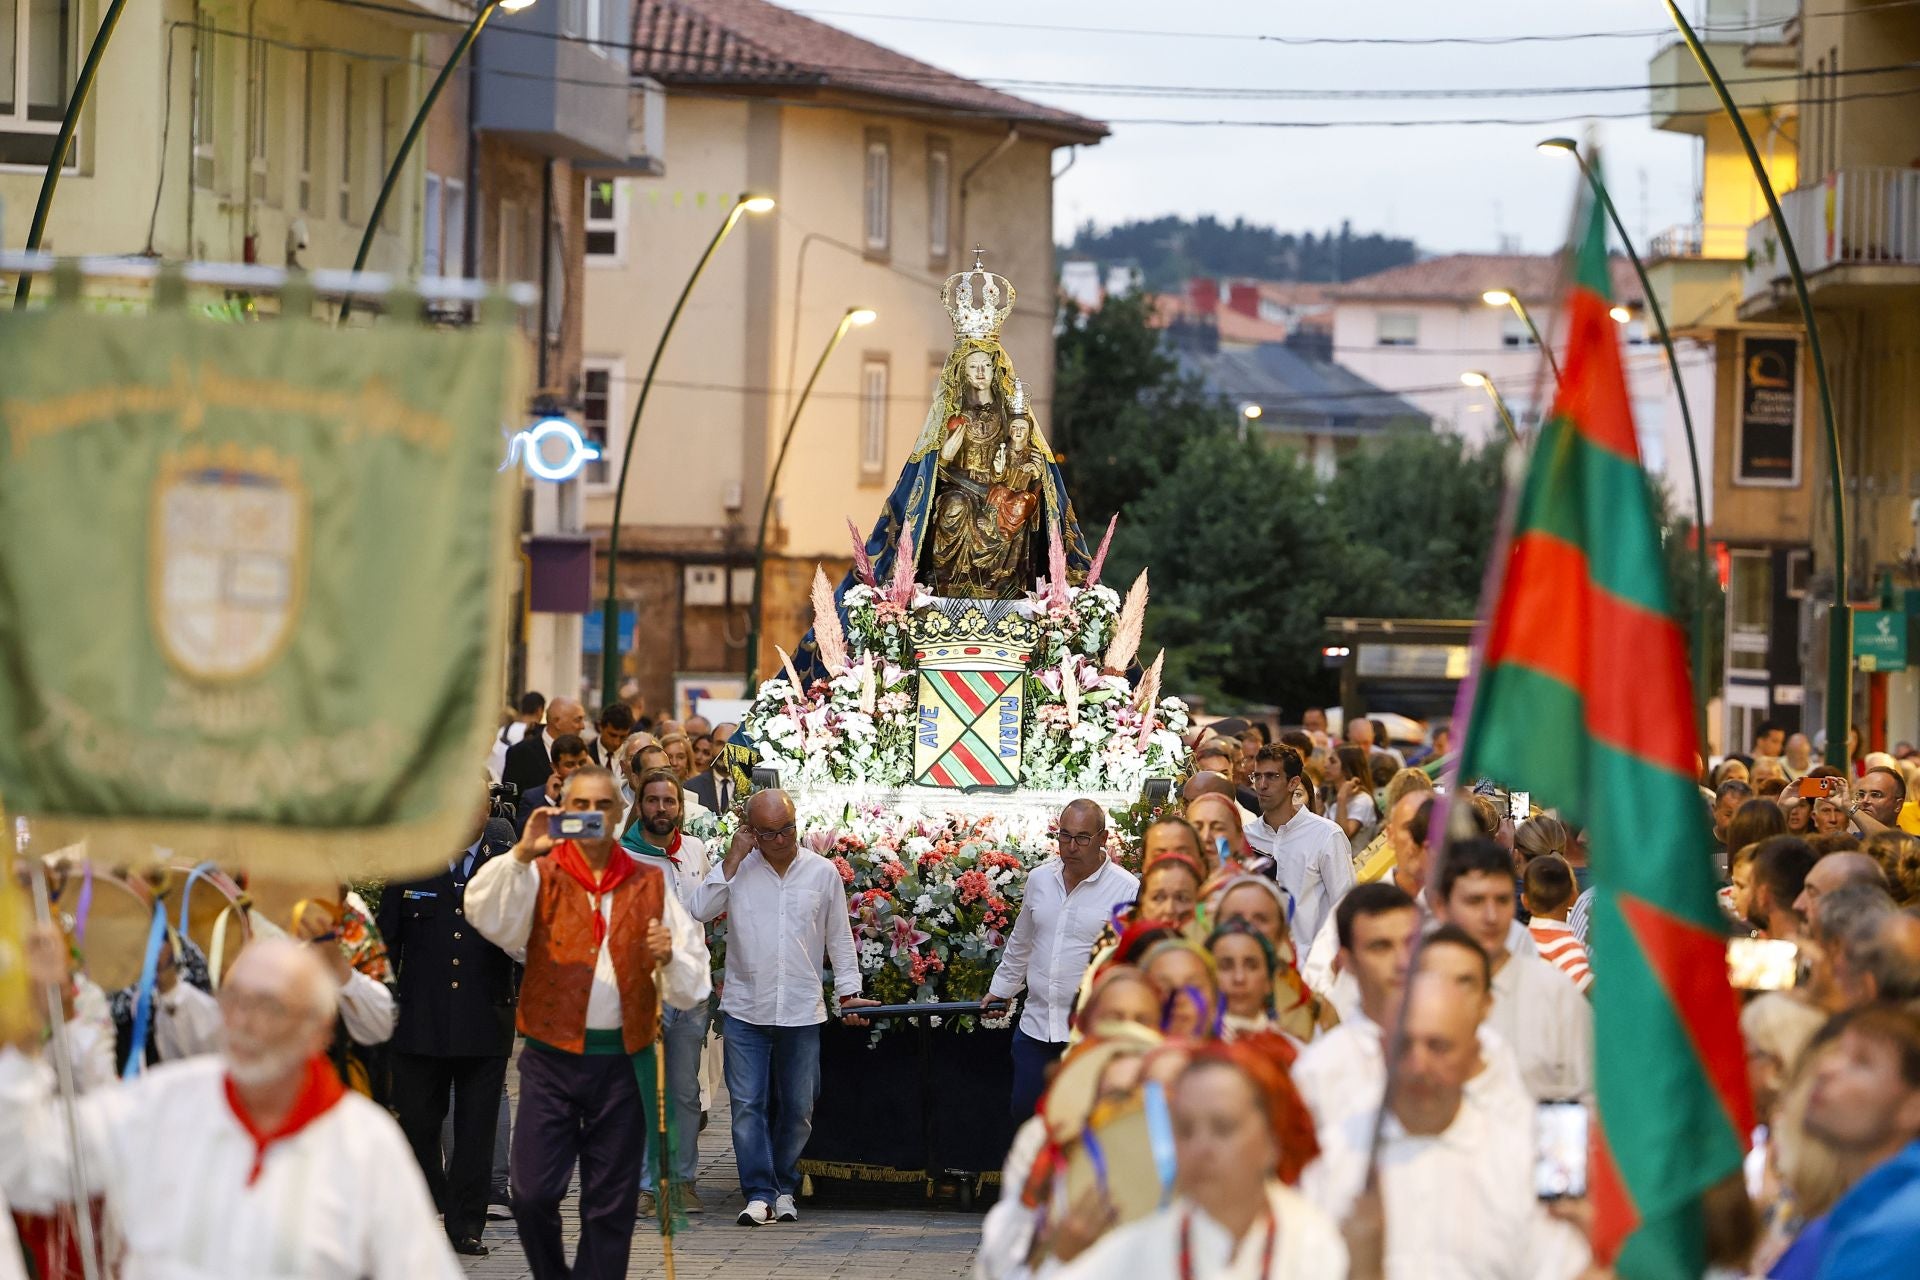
x=1519 y=805
x=1560 y=1151
x=1817 y=788
x=1762 y=964
x=581 y=826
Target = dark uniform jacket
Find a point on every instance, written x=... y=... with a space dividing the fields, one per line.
x=454 y=988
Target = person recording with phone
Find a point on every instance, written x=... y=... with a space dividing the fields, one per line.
x=605 y=942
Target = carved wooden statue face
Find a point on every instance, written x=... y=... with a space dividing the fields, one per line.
x=1020 y=434
x=978 y=371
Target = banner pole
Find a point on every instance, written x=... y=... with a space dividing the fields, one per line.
x=62 y=1068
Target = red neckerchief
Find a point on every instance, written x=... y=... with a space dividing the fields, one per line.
x=671 y=853
x=317 y=1096
x=566 y=857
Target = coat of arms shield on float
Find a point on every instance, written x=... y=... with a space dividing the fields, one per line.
x=972 y=656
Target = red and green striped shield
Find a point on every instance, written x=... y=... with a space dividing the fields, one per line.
x=972 y=702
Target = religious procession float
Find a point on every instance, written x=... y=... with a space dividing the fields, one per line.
x=971 y=674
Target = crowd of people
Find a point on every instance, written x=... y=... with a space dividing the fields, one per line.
x=1280 y=1030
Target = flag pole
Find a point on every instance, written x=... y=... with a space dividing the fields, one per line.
x=1840 y=617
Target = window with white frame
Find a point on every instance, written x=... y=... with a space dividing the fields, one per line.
x=600 y=420
x=1514 y=331
x=37 y=44
x=873 y=418
x=349 y=125
x=454 y=259
x=206 y=116
x=606 y=209
x=432 y=228
x=879 y=191
x=309 y=130
x=1396 y=329
x=939 y=198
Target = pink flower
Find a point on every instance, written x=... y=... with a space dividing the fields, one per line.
x=845 y=869
x=971 y=886
x=907 y=935
x=819 y=840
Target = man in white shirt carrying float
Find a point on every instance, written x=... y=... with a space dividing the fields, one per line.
x=786 y=907
x=1312 y=857
x=604 y=941
x=253 y=1162
x=1068 y=901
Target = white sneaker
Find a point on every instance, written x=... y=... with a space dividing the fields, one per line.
x=755 y=1214
x=783 y=1210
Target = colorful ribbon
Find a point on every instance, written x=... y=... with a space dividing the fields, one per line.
x=84 y=907
x=143 y=994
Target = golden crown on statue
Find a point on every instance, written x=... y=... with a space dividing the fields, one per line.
x=978 y=301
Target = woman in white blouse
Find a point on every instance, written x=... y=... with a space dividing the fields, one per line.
x=1240 y=1133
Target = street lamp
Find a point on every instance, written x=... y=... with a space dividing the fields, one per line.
x=609 y=621
x=1840 y=617
x=82 y=88
x=419 y=122
x=1508 y=298
x=1621 y=315
x=1567 y=146
x=1475 y=378
x=854 y=318
x=1249 y=414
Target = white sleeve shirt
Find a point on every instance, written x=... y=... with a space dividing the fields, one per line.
x=1053 y=941
x=780 y=929
x=186 y=1022
x=1313 y=861
x=500 y=900
x=367 y=1009
x=1542 y=1015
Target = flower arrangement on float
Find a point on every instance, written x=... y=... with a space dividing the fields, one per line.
x=932 y=898
x=1089 y=727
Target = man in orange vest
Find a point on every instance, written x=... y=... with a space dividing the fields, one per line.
x=604 y=941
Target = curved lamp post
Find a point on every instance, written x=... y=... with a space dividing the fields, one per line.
x=1508 y=298
x=855 y=317
x=82 y=89
x=1475 y=378
x=1567 y=146
x=1839 y=618
x=609 y=620
x=1249 y=414
x=419 y=122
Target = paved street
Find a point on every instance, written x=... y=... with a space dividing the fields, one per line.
x=865 y=1243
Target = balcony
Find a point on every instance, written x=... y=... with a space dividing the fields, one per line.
x=1692 y=240
x=1859 y=228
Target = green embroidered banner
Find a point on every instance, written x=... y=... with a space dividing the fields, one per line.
x=252 y=584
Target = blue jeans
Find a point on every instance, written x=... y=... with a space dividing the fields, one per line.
x=685 y=1034
x=773 y=1077
x=1031 y=1058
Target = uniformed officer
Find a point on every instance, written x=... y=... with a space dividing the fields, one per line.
x=456 y=997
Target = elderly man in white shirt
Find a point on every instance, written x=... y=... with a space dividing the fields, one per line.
x=1455 y=1179
x=1067 y=902
x=786 y=907
x=1536 y=1008
x=253 y=1162
x=1312 y=857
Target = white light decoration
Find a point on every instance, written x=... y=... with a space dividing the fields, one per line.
x=525 y=448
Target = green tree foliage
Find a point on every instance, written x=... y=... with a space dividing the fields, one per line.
x=1122 y=413
x=1172 y=249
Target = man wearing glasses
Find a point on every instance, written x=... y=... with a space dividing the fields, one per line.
x=786 y=908
x=1068 y=901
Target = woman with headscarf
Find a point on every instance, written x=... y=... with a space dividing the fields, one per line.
x=1244 y=963
x=1241 y=1137
x=1264 y=904
x=1168 y=895
x=1185 y=972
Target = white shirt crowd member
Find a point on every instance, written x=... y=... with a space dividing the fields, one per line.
x=500 y=902
x=1459 y=1205
x=1313 y=860
x=779 y=928
x=693 y=863
x=367 y=1009
x=1538 y=1010
x=197 y=1197
x=1344 y=1069
x=1053 y=941
x=186 y=1022
x=1298 y=1242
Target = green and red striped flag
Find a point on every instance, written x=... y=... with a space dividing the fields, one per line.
x=1584 y=700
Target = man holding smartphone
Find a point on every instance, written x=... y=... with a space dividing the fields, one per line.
x=605 y=942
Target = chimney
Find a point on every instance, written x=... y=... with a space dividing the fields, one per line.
x=1245 y=299
x=1203 y=295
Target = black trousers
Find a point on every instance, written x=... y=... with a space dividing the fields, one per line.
x=579 y=1110
x=459 y=1184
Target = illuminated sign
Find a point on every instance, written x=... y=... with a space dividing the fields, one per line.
x=530 y=449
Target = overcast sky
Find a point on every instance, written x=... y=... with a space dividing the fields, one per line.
x=1449 y=187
